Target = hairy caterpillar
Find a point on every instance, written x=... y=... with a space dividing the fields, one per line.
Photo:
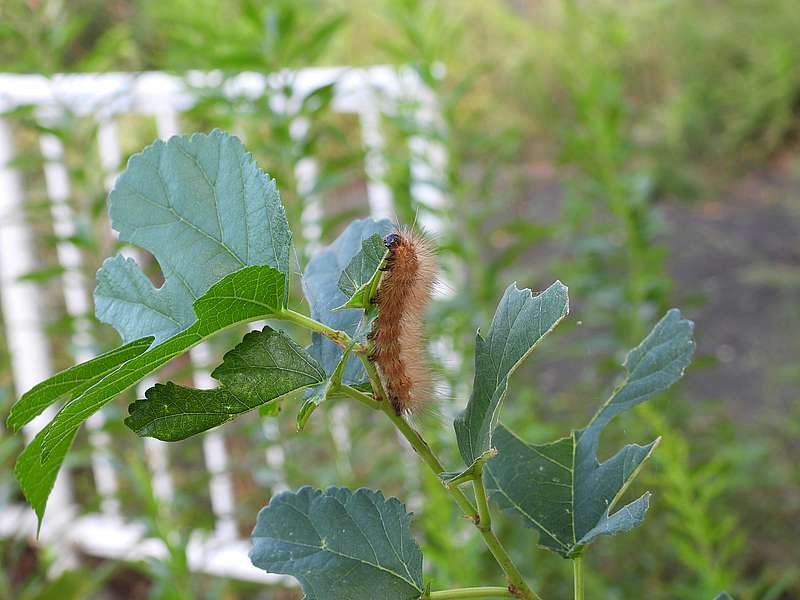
x=397 y=334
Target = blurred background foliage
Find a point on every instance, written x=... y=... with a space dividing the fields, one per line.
x=645 y=153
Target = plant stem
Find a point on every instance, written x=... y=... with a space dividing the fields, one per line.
x=517 y=583
x=480 y=517
x=484 y=514
x=360 y=396
x=577 y=569
x=338 y=337
x=476 y=592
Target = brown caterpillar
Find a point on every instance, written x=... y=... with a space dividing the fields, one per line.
x=397 y=334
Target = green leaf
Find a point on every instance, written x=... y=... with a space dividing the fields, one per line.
x=250 y=294
x=204 y=209
x=214 y=222
x=359 y=281
x=266 y=366
x=560 y=488
x=520 y=322
x=73 y=381
x=340 y=544
x=37 y=475
x=320 y=285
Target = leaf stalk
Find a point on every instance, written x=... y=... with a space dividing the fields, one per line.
x=356 y=394
x=340 y=338
x=475 y=592
x=577 y=570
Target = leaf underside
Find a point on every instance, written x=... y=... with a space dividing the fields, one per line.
x=214 y=222
x=320 y=393
x=560 y=488
x=520 y=322
x=340 y=544
x=320 y=285
x=267 y=365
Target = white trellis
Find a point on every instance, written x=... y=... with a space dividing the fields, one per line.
x=365 y=92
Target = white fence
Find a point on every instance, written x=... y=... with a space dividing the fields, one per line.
x=367 y=93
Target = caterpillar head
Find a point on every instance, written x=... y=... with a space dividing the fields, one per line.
x=392 y=240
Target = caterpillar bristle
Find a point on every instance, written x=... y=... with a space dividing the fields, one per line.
x=403 y=295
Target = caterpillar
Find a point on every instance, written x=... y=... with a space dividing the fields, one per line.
x=397 y=333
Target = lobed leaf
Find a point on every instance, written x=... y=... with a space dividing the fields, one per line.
x=202 y=207
x=215 y=223
x=560 y=488
x=340 y=544
x=250 y=294
x=520 y=322
x=266 y=366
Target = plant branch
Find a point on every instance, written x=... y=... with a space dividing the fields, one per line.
x=476 y=592
x=517 y=584
x=415 y=439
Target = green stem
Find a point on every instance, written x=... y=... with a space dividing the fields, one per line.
x=577 y=569
x=415 y=439
x=360 y=396
x=517 y=584
x=485 y=522
x=518 y=587
x=338 y=337
x=476 y=592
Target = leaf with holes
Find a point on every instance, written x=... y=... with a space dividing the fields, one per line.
x=561 y=489
x=340 y=544
x=520 y=322
x=202 y=207
x=321 y=287
x=214 y=222
x=266 y=366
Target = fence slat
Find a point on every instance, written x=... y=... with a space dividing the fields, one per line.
x=381 y=202
x=155 y=450
x=24 y=327
x=220 y=486
x=366 y=92
x=76 y=301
